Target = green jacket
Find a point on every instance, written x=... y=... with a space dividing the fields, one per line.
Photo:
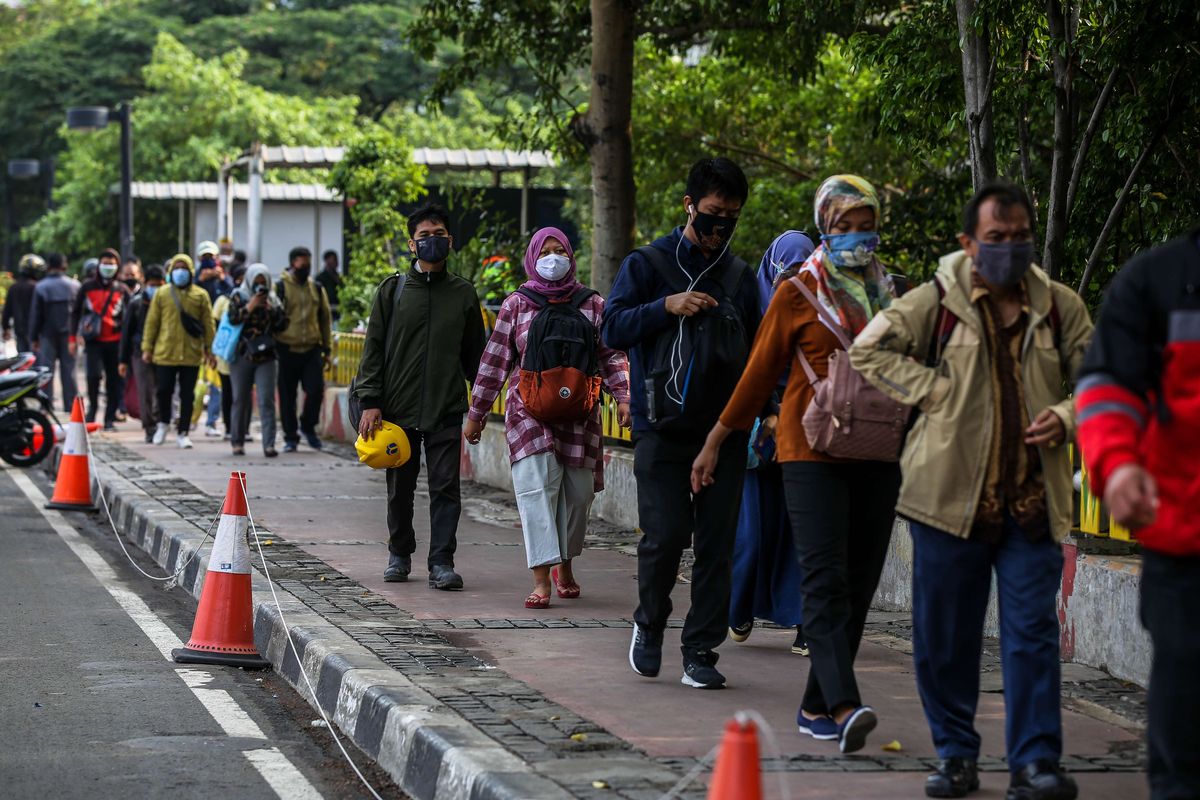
x=309 y=321
x=164 y=336
x=418 y=375
x=945 y=456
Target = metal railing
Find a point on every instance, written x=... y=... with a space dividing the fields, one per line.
x=347 y=350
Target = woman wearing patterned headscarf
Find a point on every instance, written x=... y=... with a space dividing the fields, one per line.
x=841 y=510
x=557 y=467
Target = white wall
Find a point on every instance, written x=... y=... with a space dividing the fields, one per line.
x=317 y=226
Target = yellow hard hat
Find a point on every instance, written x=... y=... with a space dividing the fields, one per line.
x=388 y=449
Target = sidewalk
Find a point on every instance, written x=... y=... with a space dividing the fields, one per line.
x=574 y=655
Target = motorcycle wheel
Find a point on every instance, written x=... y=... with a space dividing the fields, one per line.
x=26 y=456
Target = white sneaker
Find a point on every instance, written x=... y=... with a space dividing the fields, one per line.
x=210 y=430
x=184 y=442
x=249 y=437
x=160 y=433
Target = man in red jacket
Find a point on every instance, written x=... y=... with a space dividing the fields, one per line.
x=99 y=307
x=1138 y=411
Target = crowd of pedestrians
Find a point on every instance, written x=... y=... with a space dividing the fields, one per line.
x=782 y=418
x=175 y=342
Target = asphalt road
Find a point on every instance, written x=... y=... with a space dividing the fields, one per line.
x=91 y=706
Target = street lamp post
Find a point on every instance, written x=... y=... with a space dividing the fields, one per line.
x=94 y=118
x=23 y=169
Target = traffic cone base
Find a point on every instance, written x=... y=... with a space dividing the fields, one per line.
x=224 y=629
x=73 y=485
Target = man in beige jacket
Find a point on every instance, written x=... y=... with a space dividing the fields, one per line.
x=303 y=349
x=986 y=352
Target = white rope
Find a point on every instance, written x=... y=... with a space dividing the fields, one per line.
x=299 y=661
x=170 y=581
x=742 y=718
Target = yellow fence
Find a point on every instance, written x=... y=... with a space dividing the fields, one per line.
x=347 y=350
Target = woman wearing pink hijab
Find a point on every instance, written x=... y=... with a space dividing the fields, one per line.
x=557 y=466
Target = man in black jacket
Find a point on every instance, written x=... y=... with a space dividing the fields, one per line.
x=424 y=341
x=131 y=349
x=676 y=293
x=19 y=301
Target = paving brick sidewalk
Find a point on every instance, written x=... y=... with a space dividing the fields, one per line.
x=569 y=663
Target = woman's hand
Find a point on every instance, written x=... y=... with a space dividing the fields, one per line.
x=704 y=466
x=473 y=430
x=624 y=416
x=769 y=423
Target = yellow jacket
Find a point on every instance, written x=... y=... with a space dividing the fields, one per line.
x=164 y=336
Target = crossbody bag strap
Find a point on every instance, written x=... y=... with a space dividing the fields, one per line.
x=809 y=372
x=824 y=315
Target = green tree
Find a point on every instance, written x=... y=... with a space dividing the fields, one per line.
x=378 y=178
x=198 y=112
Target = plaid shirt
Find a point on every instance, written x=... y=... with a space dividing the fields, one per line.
x=577 y=444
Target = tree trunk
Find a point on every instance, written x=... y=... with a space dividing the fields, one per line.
x=978 y=71
x=609 y=138
x=1061 y=162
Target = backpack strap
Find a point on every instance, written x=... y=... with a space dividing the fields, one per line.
x=674 y=278
x=581 y=296
x=732 y=277
x=944 y=323
x=534 y=296
x=825 y=316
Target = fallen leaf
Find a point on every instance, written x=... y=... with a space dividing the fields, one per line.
x=600 y=785
x=893 y=746
x=579 y=737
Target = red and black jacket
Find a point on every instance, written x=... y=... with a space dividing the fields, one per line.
x=1138 y=394
x=108 y=299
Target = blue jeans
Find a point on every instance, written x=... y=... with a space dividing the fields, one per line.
x=951 y=584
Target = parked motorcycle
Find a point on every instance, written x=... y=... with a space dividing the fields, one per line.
x=27 y=420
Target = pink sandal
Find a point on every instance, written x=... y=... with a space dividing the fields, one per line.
x=567 y=591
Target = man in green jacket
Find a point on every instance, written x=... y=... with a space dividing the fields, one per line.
x=424 y=341
x=987 y=352
x=303 y=349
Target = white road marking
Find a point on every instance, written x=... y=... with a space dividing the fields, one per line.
x=279 y=773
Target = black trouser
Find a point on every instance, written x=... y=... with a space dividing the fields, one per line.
x=102 y=359
x=442 y=458
x=308 y=370
x=671 y=518
x=842 y=515
x=1170 y=608
x=165 y=377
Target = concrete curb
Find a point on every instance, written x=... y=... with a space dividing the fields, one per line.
x=430 y=751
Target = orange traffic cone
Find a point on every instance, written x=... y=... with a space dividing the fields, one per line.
x=224 y=629
x=73 y=486
x=737 y=775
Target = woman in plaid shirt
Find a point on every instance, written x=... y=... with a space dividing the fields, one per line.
x=557 y=467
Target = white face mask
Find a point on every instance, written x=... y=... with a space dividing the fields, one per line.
x=553 y=267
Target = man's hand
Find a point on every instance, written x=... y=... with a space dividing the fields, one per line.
x=473 y=430
x=147 y=357
x=769 y=423
x=328 y=362
x=36 y=346
x=624 y=416
x=686 y=304
x=256 y=300
x=121 y=370
x=1046 y=430
x=371 y=421
x=7 y=335
x=72 y=347
x=1132 y=496
x=211 y=360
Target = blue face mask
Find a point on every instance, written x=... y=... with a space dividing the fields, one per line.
x=851 y=249
x=150 y=290
x=181 y=277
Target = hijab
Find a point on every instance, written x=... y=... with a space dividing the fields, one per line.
x=246 y=290
x=789 y=249
x=852 y=295
x=562 y=287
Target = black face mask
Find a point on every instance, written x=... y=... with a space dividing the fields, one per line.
x=301 y=273
x=433 y=249
x=712 y=231
x=131 y=283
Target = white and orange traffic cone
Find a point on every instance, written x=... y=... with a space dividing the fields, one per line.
x=737 y=775
x=224 y=629
x=73 y=485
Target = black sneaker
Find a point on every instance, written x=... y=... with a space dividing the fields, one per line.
x=1042 y=780
x=398 y=568
x=645 y=651
x=444 y=578
x=800 y=644
x=740 y=633
x=852 y=734
x=955 y=777
x=700 y=671
x=313 y=440
x=289 y=447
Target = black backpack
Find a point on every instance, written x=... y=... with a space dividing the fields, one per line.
x=560 y=373
x=695 y=364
